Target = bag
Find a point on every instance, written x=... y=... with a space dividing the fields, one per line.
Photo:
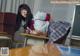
x=41 y=25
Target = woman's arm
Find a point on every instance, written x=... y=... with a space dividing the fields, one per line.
x=30 y=22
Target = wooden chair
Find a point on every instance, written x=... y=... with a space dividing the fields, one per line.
x=7 y=24
x=5 y=41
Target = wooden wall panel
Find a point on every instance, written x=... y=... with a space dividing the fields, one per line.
x=7 y=22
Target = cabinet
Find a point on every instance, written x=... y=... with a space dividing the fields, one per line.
x=7 y=22
x=76 y=24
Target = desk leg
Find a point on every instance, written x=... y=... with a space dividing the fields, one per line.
x=25 y=42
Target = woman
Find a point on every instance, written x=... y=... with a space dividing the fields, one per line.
x=23 y=20
x=24 y=15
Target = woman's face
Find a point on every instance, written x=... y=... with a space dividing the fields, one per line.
x=24 y=13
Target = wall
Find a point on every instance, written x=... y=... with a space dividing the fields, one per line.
x=31 y=4
x=12 y=5
x=0 y=5
x=58 y=12
x=63 y=12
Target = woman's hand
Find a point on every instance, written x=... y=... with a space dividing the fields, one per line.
x=33 y=32
x=29 y=31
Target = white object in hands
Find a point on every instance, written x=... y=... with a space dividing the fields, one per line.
x=41 y=25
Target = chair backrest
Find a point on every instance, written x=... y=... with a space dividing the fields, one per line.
x=7 y=22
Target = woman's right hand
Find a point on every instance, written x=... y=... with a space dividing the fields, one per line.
x=27 y=31
x=33 y=32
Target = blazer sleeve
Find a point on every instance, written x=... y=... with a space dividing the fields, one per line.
x=17 y=22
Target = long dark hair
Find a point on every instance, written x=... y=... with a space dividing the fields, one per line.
x=20 y=17
x=27 y=8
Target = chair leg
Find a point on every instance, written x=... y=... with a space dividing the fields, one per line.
x=19 y=45
x=16 y=45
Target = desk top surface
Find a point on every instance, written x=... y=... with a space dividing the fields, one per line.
x=41 y=50
x=33 y=36
x=20 y=51
x=25 y=51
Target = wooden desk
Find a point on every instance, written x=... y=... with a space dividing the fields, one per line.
x=27 y=36
x=41 y=50
x=20 y=51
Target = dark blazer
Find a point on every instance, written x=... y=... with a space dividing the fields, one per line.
x=20 y=18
